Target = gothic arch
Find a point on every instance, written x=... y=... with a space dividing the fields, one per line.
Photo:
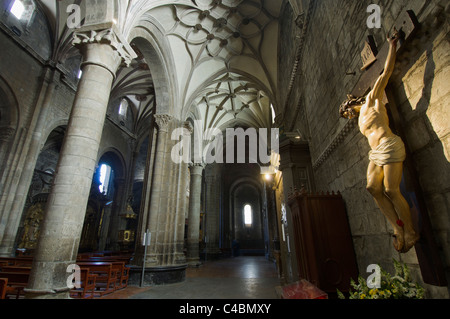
x=151 y=43
x=246 y=180
x=115 y=159
x=53 y=126
x=9 y=112
x=54 y=138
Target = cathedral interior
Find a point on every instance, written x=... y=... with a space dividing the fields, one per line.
x=115 y=121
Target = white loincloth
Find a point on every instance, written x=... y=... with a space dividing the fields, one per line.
x=390 y=150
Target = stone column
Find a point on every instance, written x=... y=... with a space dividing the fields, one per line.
x=180 y=257
x=271 y=218
x=213 y=180
x=168 y=210
x=66 y=207
x=182 y=203
x=145 y=198
x=193 y=257
x=119 y=206
x=164 y=264
x=153 y=253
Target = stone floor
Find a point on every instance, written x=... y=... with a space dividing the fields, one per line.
x=244 y=277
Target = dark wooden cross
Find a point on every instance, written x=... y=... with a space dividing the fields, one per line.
x=426 y=249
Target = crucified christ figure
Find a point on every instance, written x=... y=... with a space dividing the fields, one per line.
x=387 y=155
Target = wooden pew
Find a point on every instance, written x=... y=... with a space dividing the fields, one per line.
x=125 y=259
x=3 y=287
x=122 y=274
x=16 y=282
x=17 y=277
x=88 y=285
x=19 y=269
x=6 y=261
x=125 y=275
x=89 y=255
x=16 y=261
x=119 y=263
x=23 y=261
x=106 y=276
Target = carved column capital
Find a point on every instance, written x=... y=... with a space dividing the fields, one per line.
x=105 y=36
x=163 y=121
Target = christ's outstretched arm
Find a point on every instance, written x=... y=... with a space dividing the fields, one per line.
x=380 y=86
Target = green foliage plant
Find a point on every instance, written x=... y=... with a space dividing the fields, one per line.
x=399 y=286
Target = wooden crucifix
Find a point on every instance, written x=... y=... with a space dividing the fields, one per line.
x=374 y=66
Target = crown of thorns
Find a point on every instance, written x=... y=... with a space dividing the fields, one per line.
x=349 y=102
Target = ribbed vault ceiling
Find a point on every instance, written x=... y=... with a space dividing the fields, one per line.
x=224 y=55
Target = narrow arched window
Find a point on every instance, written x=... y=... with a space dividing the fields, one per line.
x=105 y=177
x=248 y=216
x=273 y=113
x=18 y=9
x=23 y=10
x=123 y=108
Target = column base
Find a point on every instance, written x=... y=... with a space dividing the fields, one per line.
x=193 y=263
x=6 y=250
x=47 y=294
x=157 y=276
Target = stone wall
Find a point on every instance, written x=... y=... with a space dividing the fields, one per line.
x=332 y=46
x=422 y=94
x=37 y=97
x=16 y=66
x=23 y=86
